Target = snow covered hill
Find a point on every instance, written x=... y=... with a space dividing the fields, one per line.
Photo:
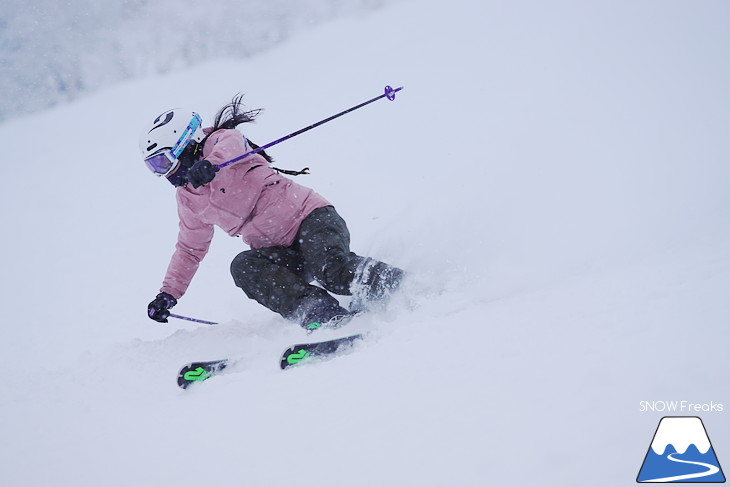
x=554 y=176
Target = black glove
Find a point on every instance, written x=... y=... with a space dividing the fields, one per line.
x=158 y=309
x=201 y=172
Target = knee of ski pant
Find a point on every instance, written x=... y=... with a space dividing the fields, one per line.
x=243 y=268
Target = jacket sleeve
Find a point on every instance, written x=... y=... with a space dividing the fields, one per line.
x=193 y=242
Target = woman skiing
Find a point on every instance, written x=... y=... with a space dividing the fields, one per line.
x=295 y=235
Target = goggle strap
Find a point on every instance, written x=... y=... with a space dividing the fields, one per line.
x=184 y=139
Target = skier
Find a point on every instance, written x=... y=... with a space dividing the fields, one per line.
x=295 y=235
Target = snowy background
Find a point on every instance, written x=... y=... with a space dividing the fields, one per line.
x=56 y=50
x=554 y=176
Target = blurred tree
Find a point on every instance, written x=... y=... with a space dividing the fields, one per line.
x=55 y=50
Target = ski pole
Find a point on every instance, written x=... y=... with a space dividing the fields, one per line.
x=389 y=94
x=180 y=317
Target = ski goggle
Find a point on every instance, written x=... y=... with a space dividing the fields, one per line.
x=164 y=161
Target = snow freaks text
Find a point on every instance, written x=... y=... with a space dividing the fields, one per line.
x=680 y=407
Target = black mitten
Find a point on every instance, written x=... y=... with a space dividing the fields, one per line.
x=201 y=172
x=158 y=309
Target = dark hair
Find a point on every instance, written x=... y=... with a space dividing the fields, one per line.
x=234 y=114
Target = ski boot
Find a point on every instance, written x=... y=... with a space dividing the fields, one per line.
x=374 y=282
x=324 y=314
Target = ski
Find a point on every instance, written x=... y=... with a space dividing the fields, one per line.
x=304 y=352
x=199 y=371
x=195 y=372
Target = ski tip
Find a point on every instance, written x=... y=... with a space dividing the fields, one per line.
x=198 y=372
x=305 y=352
x=294 y=355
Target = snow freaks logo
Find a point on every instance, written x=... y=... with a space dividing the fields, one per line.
x=680 y=407
x=680 y=452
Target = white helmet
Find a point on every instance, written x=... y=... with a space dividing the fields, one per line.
x=171 y=132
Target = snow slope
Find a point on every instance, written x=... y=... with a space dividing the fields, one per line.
x=554 y=176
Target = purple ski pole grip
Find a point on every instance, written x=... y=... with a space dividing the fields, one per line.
x=388 y=93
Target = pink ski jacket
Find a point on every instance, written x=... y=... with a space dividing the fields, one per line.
x=247 y=199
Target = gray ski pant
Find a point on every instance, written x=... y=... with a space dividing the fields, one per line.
x=279 y=277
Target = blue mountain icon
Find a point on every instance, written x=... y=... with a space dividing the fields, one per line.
x=681 y=452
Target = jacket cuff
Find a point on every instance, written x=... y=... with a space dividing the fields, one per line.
x=172 y=292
